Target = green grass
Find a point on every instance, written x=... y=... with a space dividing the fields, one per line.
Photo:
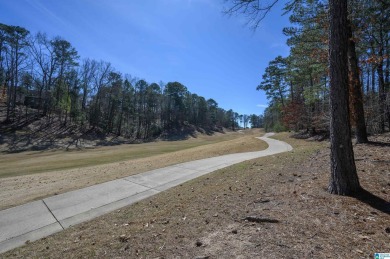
x=32 y=162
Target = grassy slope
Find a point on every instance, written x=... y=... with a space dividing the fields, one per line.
x=30 y=162
x=98 y=165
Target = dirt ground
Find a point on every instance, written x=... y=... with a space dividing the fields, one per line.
x=133 y=159
x=271 y=207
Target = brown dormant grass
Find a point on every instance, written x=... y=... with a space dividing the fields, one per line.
x=43 y=174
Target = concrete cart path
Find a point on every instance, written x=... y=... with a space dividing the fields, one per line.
x=39 y=219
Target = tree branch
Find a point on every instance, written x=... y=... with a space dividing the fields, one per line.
x=253 y=9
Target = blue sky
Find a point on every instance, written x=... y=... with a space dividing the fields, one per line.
x=189 y=41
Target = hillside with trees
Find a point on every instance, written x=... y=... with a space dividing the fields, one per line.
x=44 y=79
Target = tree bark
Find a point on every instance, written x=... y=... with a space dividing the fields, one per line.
x=355 y=89
x=343 y=179
x=387 y=82
x=382 y=44
x=382 y=95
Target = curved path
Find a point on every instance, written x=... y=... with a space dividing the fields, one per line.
x=41 y=218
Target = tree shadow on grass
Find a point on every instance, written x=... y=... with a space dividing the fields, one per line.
x=373 y=201
x=378 y=144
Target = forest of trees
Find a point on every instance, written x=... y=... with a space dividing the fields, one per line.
x=336 y=77
x=297 y=86
x=45 y=77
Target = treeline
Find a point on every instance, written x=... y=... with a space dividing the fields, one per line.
x=297 y=86
x=46 y=76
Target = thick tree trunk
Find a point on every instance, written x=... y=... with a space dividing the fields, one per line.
x=355 y=89
x=382 y=97
x=387 y=70
x=381 y=81
x=387 y=82
x=368 y=82
x=344 y=179
x=373 y=79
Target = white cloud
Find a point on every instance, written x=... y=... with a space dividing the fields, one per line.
x=262 y=105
